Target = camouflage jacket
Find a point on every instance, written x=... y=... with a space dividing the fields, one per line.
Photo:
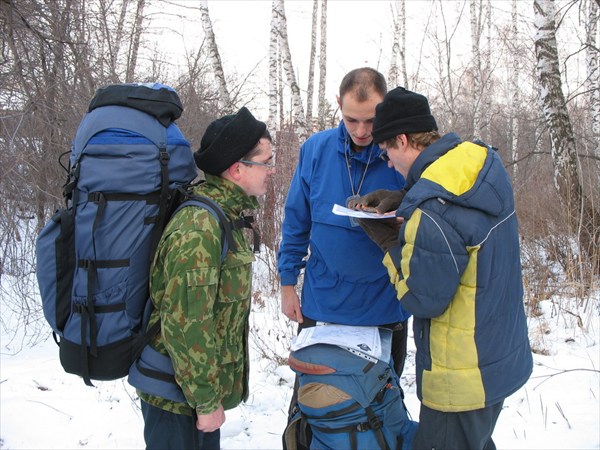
x=204 y=305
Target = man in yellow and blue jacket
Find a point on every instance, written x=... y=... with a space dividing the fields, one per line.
x=456 y=267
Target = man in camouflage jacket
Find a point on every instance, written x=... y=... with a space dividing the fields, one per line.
x=203 y=303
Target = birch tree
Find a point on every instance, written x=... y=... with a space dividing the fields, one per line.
x=515 y=90
x=582 y=219
x=311 y=64
x=398 y=48
x=273 y=71
x=214 y=56
x=323 y=66
x=593 y=75
x=135 y=38
x=288 y=68
x=475 y=9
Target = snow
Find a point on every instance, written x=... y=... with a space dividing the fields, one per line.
x=42 y=407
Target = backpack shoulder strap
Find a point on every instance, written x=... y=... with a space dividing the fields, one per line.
x=213 y=207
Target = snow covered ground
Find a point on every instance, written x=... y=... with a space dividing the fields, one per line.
x=42 y=407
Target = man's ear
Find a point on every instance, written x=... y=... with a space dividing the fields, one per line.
x=233 y=172
x=339 y=101
x=402 y=140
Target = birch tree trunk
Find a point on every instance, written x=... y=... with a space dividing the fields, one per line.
x=475 y=9
x=273 y=73
x=593 y=76
x=392 y=78
x=486 y=76
x=398 y=48
x=311 y=65
x=288 y=68
x=403 y=44
x=134 y=47
x=514 y=91
x=215 y=58
x=583 y=220
x=323 y=66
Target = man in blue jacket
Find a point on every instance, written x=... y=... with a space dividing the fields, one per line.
x=456 y=267
x=344 y=282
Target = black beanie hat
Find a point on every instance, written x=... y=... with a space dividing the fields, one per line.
x=227 y=140
x=401 y=112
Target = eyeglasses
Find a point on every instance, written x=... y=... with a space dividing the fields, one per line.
x=384 y=155
x=256 y=163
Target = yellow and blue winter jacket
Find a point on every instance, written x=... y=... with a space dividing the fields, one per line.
x=457 y=269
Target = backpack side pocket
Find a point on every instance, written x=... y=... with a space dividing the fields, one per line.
x=55 y=253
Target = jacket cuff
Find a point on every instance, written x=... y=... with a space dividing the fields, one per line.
x=207 y=408
x=288 y=279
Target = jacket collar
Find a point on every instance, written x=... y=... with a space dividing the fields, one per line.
x=229 y=195
x=344 y=138
x=429 y=155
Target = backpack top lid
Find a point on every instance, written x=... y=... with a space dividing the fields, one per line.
x=158 y=100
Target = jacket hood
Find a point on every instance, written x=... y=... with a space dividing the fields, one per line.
x=463 y=173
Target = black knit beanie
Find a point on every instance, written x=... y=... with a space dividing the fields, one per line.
x=227 y=140
x=401 y=112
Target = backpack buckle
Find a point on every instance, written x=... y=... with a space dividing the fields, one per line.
x=362 y=427
x=375 y=422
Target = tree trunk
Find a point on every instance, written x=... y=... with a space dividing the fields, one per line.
x=392 y=78
x=288 y=68
x=273 y=73
x=583 y=220
x=323 y=66
x=475 y=8
x=486 y=76
x=136 y=35
x=311 y=65
x=514 y=91
x=398 y=49
x=214 y=57
x=593 y=76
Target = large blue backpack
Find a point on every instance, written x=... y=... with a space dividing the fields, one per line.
x=129 y=163
x=347 y=399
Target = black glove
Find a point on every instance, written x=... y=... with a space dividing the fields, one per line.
x=380 y=201
x=384 y=232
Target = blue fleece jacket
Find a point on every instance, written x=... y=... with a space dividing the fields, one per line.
x=344 y=280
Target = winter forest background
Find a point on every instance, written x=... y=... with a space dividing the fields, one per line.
x=522 y=75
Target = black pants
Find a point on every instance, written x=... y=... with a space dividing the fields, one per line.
x=399 y=342
x=470 y=430
x=164 y=430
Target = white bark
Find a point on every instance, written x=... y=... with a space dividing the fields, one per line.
x=273 y=73
x=475 y=7
x=580 y=214
x=593 y=74
x=311 y=65
x=392 y=78
x=214 y=57
x=486 y=76
x=323 y=66
x=514 y=91
x=288 y=68
x=398 y=49
x=403 y=44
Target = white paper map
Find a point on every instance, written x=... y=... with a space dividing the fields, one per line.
x=359 y=340
x=343 y=211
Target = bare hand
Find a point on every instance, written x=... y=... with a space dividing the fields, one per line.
x=290 y=304
x=211 y=422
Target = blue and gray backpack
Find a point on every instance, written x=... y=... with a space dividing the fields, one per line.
x=128 y=167
x=347 y=400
